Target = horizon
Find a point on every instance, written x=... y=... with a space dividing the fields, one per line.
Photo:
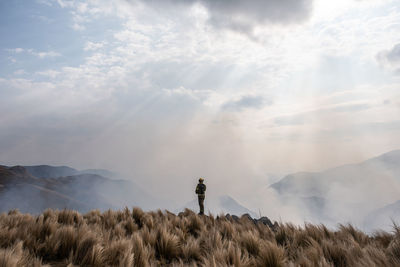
x=194 y=178
x=278 y=209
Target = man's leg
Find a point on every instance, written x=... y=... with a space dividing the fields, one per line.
x=201 y=204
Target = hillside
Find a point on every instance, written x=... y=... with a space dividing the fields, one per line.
x=308 y=184
x=46 y=171
x=136 y=238
x=36 y=188
x=383 y=218
x=345 y=193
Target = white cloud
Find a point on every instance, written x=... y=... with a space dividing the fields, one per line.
x=65 y=3
x=82 y=7
x=92 y=46
x=45 y=2
x=46 y=54
x=78 y=27
x=40 y=54
x=17 y=50
x=49 y=73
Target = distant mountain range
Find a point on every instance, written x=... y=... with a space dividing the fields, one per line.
x=320 y=183
x=350 y=192
x=35 y=188
x=366 y=193
x=46 y=171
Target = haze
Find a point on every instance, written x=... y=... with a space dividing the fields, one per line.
x=164 y=92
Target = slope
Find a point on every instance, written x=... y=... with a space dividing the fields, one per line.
x=19 y=189
x=345 y=193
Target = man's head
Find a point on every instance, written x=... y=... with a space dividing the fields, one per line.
x=201 y=180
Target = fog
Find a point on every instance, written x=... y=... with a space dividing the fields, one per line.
x=242 y=94
x=166 y=159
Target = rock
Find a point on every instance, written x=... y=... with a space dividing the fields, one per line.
x=264 y=220
x=235 y=218
x=247 y=216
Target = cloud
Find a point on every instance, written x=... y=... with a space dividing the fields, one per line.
x=48 y=73
x=45 y=2
x=92 y=46
x=390 y=58
x=245 y=16
x=367 y=128
x=64 y=3
x=46 y=54
x=42 y=18
x=315 y=116
x=17 y=50
x=246 y=102
x=40 y=54
x=151 y=100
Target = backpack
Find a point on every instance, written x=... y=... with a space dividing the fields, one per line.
x=201 y=189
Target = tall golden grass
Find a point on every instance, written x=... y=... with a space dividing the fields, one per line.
x=137 y=238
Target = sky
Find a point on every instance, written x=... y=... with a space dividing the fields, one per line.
x=165 y=91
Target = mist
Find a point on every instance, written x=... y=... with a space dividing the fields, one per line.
x=165 y=92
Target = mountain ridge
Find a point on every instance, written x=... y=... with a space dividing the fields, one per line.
x=347 y=192
x=65 y=187
x=22 y=190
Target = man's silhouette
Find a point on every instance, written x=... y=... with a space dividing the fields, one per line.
x=201 y=194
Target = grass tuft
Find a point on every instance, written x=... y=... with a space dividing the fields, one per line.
x=159 y=238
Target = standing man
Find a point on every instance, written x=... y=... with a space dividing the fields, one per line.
x=201 y=194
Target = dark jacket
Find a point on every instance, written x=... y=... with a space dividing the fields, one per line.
x=201 y=190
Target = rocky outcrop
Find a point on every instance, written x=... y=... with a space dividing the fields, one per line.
x=263 y=220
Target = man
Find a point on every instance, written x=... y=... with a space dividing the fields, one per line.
x=201 y=194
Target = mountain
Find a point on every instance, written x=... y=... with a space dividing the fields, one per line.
x=388 y=162
x=385 y=168
x=37 y=190
x=319 y=183
x=20 y=189
x=345 y=193
x=101 y=172
x=46 y=171
x=14 y=175
x=217 y=205
x=383 y=218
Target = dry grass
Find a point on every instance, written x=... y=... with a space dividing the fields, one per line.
x=137 y=238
